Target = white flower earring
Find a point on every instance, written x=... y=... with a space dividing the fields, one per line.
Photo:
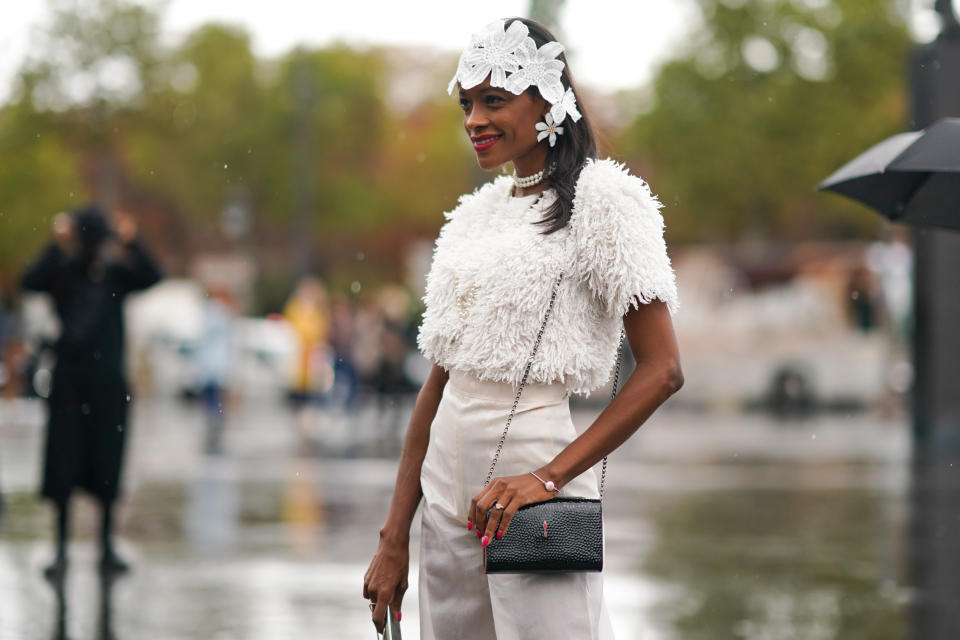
x=548 y=129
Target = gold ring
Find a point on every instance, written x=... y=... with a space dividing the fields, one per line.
x=498 y=506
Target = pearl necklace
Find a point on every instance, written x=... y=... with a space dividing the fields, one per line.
x=529 y=181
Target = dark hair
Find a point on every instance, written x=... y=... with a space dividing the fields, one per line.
x=573 y=148
x=92 y=229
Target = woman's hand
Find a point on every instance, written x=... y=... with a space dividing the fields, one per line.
x=124 y=226
x=63 y=233
x=512 y=492
x=386 y=580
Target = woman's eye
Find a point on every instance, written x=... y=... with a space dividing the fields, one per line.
x=464 y=104
x=494 y=99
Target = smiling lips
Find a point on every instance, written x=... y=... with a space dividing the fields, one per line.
x=484 y=142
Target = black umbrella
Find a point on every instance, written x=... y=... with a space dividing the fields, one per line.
x=911 y=177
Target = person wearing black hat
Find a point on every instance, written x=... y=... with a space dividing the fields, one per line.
x=88 y=270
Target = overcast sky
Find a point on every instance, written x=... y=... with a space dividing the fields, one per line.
x=614 y=43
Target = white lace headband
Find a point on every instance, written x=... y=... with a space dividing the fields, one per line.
x=512 y=60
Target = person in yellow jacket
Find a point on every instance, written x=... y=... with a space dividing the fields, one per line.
x=308 y=312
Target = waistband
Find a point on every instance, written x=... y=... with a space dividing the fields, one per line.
x=469 y=384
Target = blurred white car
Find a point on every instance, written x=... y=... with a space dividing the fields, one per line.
x=165 y=325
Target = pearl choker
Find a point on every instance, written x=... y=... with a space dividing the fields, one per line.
x=531 y=180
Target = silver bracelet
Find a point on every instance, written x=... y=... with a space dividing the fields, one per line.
x=547 y=484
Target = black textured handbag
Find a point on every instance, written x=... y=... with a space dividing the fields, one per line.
x=554 y=536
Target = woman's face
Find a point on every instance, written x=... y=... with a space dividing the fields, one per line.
x=501 y=127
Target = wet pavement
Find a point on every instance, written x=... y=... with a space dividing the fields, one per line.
x=718 y=526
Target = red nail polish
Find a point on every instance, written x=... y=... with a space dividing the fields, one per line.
x=485 y=541
x=469 y=525
x=499 y=534
x=478 y=533
x=398 y=616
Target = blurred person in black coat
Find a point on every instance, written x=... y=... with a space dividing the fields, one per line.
x=88 y=270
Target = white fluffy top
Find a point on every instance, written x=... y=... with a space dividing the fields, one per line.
x=493 y=271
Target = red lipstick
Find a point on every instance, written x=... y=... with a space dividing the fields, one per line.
x=484 y=142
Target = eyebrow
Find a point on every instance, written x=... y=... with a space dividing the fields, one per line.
x=485 y=90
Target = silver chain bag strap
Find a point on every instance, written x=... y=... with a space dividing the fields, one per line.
x=553 y=536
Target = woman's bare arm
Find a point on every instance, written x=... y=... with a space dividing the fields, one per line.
x=656 y=377
x=386 y=579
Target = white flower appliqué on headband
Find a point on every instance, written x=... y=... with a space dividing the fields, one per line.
x=539 y=68
x=492 y=52
x=566 y=106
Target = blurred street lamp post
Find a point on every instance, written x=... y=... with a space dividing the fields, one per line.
x=935 y=491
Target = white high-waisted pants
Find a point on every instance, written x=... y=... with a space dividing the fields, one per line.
x=458 y=601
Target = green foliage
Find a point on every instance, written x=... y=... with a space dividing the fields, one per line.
x=38 y=178
x=737 y=151
x=191 y=143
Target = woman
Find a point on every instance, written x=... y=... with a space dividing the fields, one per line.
x=88 y=278
x=496 y=261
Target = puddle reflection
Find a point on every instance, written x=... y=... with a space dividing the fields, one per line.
x=104 y=629
x=213 y=507
x=781 y=564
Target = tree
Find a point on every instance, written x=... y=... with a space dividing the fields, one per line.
x=38 y=178
x=768 y=99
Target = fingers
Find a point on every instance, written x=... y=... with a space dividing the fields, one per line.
x=494 y=521
x=478 y=510
x=379 y=615
x=379 y=605
x=506 y=517
x=485 y=502
x=398 y=600
x=367 y=577
x=472 y=512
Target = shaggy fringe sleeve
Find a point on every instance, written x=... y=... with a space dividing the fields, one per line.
x=439 y=297
x=435 y=329
x=618 y=231
x=441 y=325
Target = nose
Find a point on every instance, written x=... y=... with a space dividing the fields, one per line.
x=475 y=119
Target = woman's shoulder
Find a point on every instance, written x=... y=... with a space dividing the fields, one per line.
x=618 y=231
x=481 y=200
x=607 y=184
